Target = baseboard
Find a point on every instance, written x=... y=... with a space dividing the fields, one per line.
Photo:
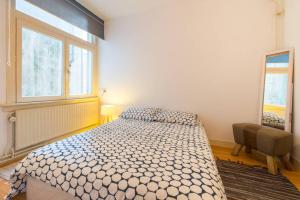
x=219 y=143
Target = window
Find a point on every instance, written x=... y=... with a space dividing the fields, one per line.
x=42 y=65
x=55 y=59
x=52 y=65
x=46 y=17
x=80 y=71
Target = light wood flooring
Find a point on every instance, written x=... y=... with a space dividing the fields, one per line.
x=4 y=188
x=220 y=153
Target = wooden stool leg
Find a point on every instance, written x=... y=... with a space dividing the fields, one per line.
x=286 y=162
x=272 y=165
x=248 y=149
x=236 y=150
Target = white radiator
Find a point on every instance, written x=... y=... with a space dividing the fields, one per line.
x=37 y=125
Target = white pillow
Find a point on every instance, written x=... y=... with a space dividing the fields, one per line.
x=184 y=118
x=140 y=113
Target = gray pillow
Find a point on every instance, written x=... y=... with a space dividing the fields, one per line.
x=184 y=118
x=140 y=113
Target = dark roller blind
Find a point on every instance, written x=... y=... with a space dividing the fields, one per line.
x=74 y=13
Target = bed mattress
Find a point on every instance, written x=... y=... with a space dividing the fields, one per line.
x=127 y=159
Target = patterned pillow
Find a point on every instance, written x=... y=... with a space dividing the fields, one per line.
x=183 y=118
x=140 y=113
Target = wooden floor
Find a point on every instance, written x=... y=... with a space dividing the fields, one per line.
x=220 y=153
x=4 y=188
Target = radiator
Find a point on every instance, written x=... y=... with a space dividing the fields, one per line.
x=38 y=125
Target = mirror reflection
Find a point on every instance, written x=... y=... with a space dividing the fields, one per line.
x=276 y=90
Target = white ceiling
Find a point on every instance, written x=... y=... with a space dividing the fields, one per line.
x=109 y=9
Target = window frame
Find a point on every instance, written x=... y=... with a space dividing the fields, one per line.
x=77 y=44
x=23 y=20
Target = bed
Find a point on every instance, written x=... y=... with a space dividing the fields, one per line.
x=125 y=159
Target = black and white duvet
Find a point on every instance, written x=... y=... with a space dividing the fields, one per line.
x=127 y=159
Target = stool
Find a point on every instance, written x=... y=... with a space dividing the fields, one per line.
x=240 y=131
x=250 y=133
x=275 y=144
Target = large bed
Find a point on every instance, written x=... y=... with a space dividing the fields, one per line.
x=124 y=159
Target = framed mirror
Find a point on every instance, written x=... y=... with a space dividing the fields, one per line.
x=277 y=90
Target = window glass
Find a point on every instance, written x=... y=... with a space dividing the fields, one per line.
x=80 y=71
x=42 y=65
x=46 y=17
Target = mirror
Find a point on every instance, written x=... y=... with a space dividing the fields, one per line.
x=277 y=88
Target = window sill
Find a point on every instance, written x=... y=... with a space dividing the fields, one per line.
x=29 y=105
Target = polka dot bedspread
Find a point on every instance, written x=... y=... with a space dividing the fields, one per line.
x=127 y=159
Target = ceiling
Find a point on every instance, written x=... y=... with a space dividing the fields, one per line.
x=110 y=9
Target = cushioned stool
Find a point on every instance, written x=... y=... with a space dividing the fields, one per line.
x=275 y=144
x=244 y=135
x=250 y=133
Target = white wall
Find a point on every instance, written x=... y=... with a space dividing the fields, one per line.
x=3 y=59
x=292 y=39
x=203 y=56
